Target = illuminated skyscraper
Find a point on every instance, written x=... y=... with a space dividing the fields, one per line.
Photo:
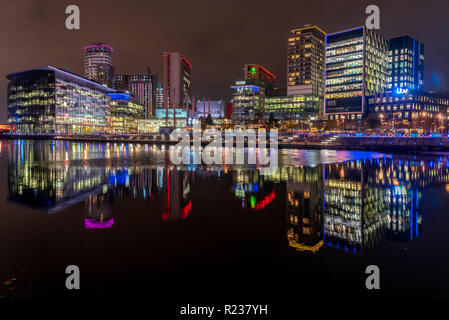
x=356 y=67
x=141 y=86
x=177 y=80
x=305 y=63
x=406 y=64
x=98 y=64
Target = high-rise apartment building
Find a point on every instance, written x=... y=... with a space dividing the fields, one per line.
x=356 y=67
x=98 y=65
x=177 y=78
x=405 y=64
x=142 y=87
x=159 y=99
x=305 y=71
x=305 y=61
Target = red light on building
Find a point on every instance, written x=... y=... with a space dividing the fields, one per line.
x=229 y=110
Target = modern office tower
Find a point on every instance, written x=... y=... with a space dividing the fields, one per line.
x=177 y=78
x=216 y=109
x=125 y=111
x=51 y=101
x=249 y=95
x=159 y=99
x=356 y=67
x=257 y=72
x=141 y=86
x=98 y=64
x=405 y=64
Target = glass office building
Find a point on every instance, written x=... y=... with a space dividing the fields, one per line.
x=294 y=107
x=405 y=64
x=52 y=101
x=356 y=67
x=124 y=113
x=248 y=99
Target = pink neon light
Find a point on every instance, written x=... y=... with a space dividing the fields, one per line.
x=95 y=224
x=99 y=46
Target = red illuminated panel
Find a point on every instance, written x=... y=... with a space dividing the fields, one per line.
x=264 y=202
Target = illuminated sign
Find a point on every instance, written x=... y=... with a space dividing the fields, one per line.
x=180 y=113
x=401 y=91
x=253 y=70
x=119 y=96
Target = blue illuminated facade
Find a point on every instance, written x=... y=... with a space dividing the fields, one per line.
x=405 y=64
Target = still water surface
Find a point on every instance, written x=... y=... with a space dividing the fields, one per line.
x=139 y=227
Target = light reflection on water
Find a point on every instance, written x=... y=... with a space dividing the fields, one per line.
x=339 y=200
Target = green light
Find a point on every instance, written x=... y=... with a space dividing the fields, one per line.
x=253 y=70
x=252 y=200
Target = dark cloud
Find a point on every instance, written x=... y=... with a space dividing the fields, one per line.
x=218 y=37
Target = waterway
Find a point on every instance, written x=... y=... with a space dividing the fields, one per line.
x=139 y=227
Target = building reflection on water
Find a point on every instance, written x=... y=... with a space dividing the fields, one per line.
x=349 y=206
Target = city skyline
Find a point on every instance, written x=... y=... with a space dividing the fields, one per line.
x=207 y=50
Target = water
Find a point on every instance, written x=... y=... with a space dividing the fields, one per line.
x=140 y=228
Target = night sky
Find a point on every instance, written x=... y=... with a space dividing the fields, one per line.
x=218 y=37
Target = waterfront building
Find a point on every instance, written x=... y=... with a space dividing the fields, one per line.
x=177 y=81
x=52 y=101
x=124 y=114
x=411 y=109
x=146 y=126
x=405 y=64
x=216 y=109
x=305 y=63
x=291 y=107
x=249 y=94
x=356 y=67
x=142 y=86
x=248 y=99
x=98 y=63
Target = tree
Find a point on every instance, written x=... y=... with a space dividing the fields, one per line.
x=209 y=119
x=271 y=119
x=372 y=121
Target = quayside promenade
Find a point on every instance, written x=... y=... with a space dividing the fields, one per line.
x=312 y=141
